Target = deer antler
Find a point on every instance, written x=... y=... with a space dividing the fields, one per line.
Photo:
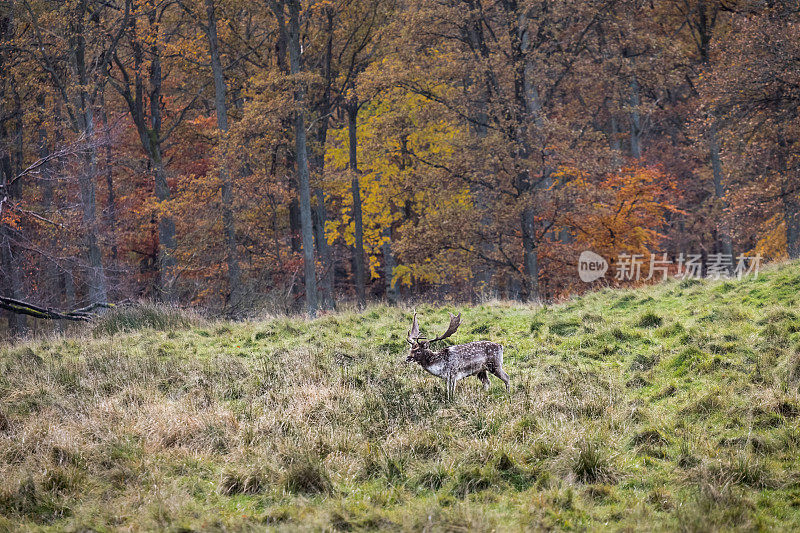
x=455 y=321
x=413 y=335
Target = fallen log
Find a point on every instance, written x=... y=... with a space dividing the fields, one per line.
x=84 y=314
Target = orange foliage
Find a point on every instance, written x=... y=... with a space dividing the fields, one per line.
x=626 y=211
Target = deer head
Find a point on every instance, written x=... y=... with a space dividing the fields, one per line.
x=420 y=346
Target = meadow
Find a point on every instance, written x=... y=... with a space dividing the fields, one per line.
x=669 y=407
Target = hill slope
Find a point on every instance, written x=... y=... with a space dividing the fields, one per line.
x=670 y=406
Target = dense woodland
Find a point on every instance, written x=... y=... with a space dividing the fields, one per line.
x=290 y=155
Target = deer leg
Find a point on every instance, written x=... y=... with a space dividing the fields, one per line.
x=500 y=373
x=484 y=379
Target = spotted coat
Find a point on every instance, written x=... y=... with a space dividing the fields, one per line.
x=455 y=363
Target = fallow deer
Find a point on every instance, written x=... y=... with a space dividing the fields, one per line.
x=455 y=363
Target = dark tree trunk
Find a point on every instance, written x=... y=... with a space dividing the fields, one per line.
x=389 y=265
x=10 y=191
x=530 y=254
x=323 y=250
x=96 y=278
x=323 y=109
x=166 y=224
x=10 y=276
x=281 y=49
x=614 y=141
x=635 y=120
x=111 y=197
x=724 y=235
x=294 y=222
x=228 y=226
x=355 y=185
x=527 y=108
x=791 y=210
x=50 y=285
x=791 y=203
x=303 y=177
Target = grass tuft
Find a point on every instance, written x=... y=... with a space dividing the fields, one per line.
x=144 y=315
x=649 y=320
x=308 y=475
x=253 y=482
x=592 y=463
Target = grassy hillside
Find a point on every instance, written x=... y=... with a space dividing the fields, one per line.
x=671 y=406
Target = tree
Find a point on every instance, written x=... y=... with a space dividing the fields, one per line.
x=144 y=100
x=77 y=64
x=303 y=178
x=358 y=255
x=754 y=95
x=220 y=90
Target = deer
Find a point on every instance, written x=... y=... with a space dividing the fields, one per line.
x=455 y=363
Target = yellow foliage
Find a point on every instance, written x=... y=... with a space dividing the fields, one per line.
x=394 y=134
x=773 y=243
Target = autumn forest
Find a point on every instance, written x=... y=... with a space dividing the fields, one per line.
x=238 y=155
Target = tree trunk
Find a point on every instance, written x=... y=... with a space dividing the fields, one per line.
x=323 y=250
x=50 y=284
x=10 y=278
x=303 y=177
x=323 y=109
x=725 y=241
x=16 y=323
x=166 y=224
x=355 y=185
x=10 y=190
x=530 y=254
x=295 y=228
x=111 y=197
x=389 y=266
x=96 y=278
x=791 y=210
x=166 y=238
x=791 y=202
x=635 y=119
x=528 y=108
x=151 y=141
x=228 y=226
x=614 y=142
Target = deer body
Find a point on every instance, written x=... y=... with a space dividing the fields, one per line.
x=455 y=363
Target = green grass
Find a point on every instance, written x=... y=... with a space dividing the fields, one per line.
x=668 y=407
